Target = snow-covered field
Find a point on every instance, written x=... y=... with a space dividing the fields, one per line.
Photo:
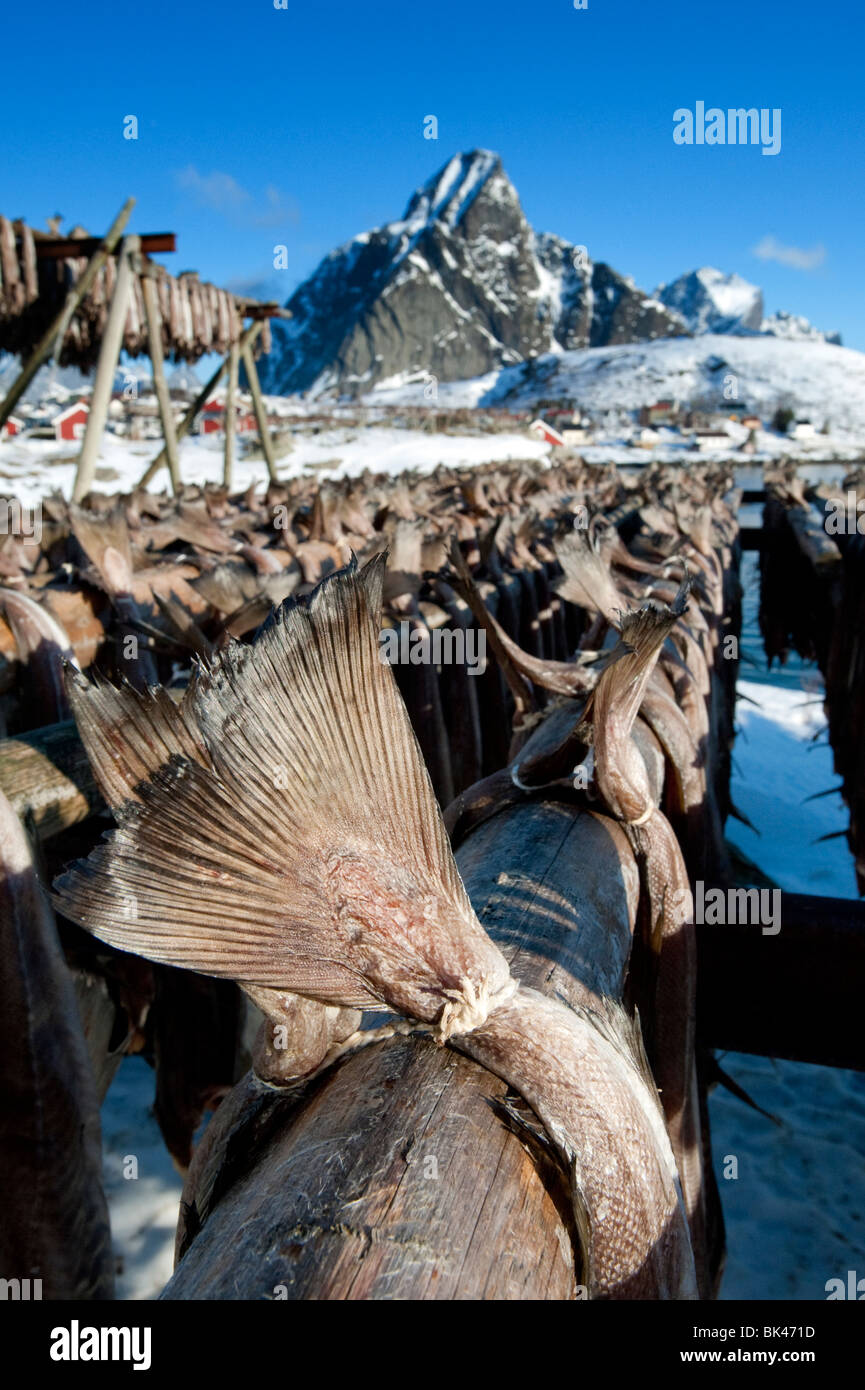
x=32 y=468
x=819 y=380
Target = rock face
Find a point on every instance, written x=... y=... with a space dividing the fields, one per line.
x=459 y=287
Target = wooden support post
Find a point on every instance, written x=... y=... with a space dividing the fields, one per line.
x=201 y=399
x=231 y=416
x=109 y=355
x=163 y=396
x=52 y=338
x=260 y=411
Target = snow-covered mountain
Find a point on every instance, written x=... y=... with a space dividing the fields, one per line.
x=793 y=326
x=711 y=302
x=459 y=286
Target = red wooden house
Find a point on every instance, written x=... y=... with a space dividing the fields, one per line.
x=71 y=423
x=12 y=427
x=546 y=432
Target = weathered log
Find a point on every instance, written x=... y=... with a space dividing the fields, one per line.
x=46 y=777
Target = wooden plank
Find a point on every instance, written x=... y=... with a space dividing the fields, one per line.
x=394 y=1179
x=70 y=248
x=54 y=334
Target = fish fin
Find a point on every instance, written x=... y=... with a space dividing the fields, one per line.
x=311 y=855
x=827 y=791
x=33 y=626
x=715 y=1072
x=128 y=735
x=104 y=538
x=588 y=581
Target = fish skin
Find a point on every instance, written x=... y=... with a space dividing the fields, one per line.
x=43 y=648
x=345 y=890
x=622 y=779
x=600 y=1108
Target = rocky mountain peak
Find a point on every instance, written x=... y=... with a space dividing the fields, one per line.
x=459 y=286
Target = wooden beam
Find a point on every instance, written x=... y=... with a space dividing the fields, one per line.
x=797 y=994
x=260 y=412
x=52 y=338
x=69 y=248
x=163 y=396
x=248 y=336
x=231 y=417
x=250 y=310
x=109 y=355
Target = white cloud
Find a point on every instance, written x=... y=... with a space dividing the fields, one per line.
x=222 y=193
x=771 y=249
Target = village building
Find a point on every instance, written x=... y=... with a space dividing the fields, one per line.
x=707 y=440
x=13 y=426
x=70 y=424
x=661 y=413
x=546 y=432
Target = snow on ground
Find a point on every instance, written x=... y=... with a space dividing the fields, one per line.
x=33 y=468
x=821 y=381
x=796 y=1212
x=143 y=1208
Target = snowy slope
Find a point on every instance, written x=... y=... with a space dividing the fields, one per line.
x=819 y=380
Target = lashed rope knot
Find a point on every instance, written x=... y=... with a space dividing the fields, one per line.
x=641 y=820
x=469 y=1007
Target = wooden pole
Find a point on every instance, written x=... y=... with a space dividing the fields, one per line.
x=163 y=396
x=201 y=399
x=54 y=334
x=109 y=355
x=260 y=411
x=230 y=416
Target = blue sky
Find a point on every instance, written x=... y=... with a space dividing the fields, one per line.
x=302 y=126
